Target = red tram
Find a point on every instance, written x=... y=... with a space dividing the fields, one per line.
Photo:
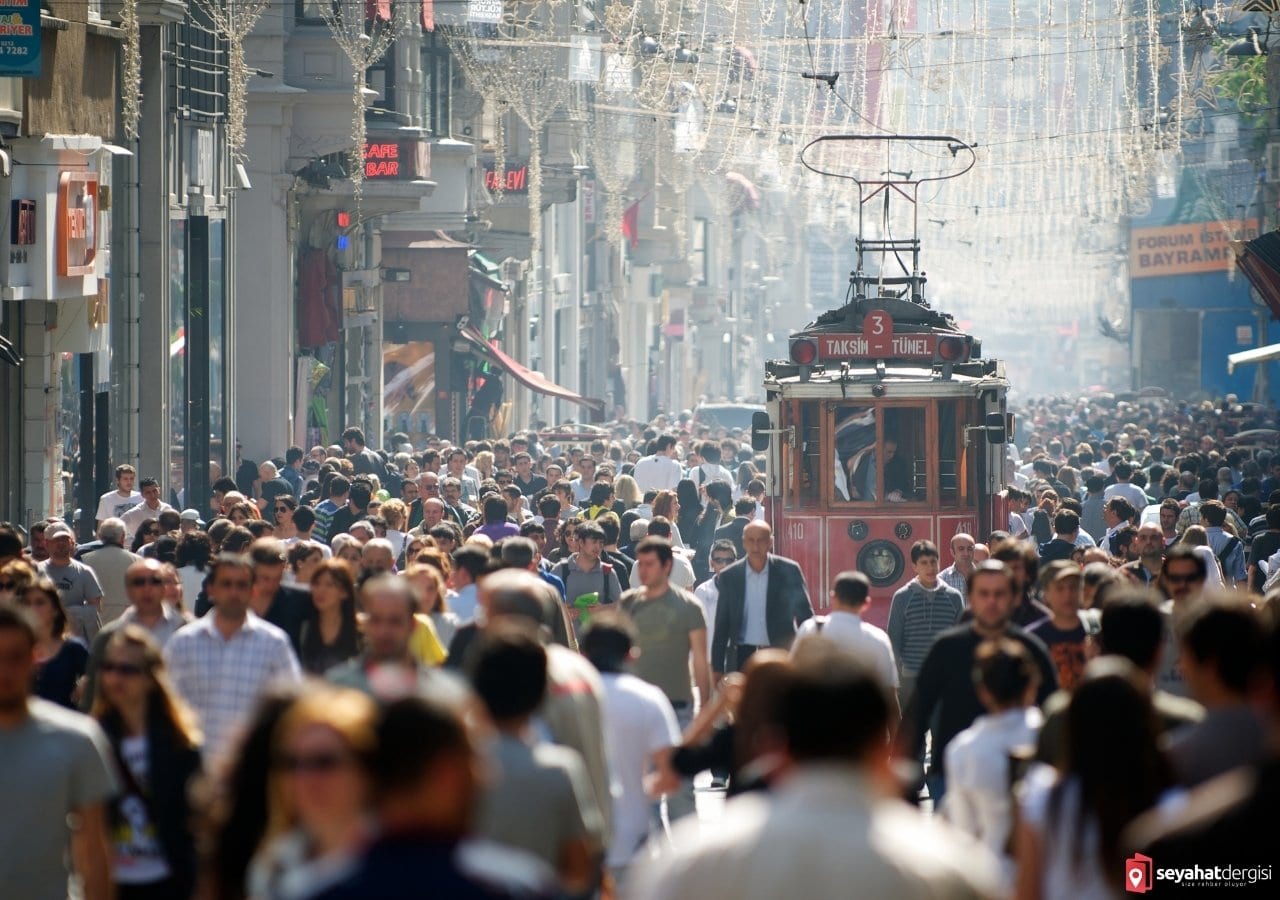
x=885 y=425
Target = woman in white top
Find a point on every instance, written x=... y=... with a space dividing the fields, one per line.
x=1068 y=835
x=981 y=759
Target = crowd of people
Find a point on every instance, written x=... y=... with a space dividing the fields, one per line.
x=497 y=669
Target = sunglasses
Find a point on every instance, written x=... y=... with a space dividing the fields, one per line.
x=281 y=509
x=1181 y=579
x=317 y=763
x=727 y=560
x=129 y=670
x=154 y=580
x=8 y=585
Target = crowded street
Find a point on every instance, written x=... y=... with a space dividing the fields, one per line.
x=601 y=450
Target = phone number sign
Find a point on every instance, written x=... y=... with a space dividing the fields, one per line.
x=20 y=38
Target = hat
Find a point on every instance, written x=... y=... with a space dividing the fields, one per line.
x=191 y=515
x=57 y=530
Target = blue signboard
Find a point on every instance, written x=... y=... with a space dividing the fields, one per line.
x=20 y=38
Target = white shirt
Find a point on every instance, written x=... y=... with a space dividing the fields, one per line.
x=113 y=504
x=979 y=799
x=1130 y=492
x=639 y=721
x=755 y=625
x=865 y=641
x=681 y=573
x=223 y=678
x=139 y=514
x=1063 y=878
x=463 y=604
x=324 y=548
x=709 y=596
x=709 y=472
x=657 y=473
x=767 y=846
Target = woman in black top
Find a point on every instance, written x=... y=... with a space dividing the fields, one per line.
x=60 y=662
x=329 y=635
x=157 y=750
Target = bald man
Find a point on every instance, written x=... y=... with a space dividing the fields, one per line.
x=763 y=599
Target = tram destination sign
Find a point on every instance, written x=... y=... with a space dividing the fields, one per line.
x=857 y=346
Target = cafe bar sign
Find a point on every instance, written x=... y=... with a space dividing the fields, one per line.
x=20 y=38
x=395 y=160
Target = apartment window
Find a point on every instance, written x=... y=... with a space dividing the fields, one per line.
x=381 y=77
x=437 y=78
x=311 y=12
x=698 y=251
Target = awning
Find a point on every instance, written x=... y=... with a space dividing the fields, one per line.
x=1256 y=355
x=1259 y=260
x=534 y=381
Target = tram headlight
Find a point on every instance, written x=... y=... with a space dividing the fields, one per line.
x=953 y=349
x=804 y=352
x=882 y=562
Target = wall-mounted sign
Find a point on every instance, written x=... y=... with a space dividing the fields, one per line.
x=1184 y=249
x=485 y=11
x=20 y=38
x=22 y=222
x=515 y=179
x=77 y=223
x=396 y=160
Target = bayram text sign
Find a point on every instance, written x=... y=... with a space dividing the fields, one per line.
x=1184 y=249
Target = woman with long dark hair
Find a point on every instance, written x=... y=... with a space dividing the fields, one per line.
x=147 y=532
x=330 y=635
x=1068 y=838
x=157 y=750
x=697 y=523
x=61 y=661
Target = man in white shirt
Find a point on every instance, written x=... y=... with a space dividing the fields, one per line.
x=149 y=509
x=709 y=469
x=114 y=504
x=1122 y=488
x=850 y=596
x=722 y=554
x=640 y=725
x=762 y=847
x=660 y=471
x=979 y=800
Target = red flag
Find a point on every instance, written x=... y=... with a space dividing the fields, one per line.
x=377 y=10
x=428 y=15
x=631 y=224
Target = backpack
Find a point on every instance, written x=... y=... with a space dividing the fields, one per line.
x=1227 y=550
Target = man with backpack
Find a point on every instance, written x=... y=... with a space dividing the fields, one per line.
x=589 y=582
x=1225 y=546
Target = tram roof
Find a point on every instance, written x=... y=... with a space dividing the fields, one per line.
x=898 y=383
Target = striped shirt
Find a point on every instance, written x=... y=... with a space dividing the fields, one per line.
x=955 y=578
x=916 y=617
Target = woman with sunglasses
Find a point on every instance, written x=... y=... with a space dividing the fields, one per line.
x=60 y=662
x=330 y=635
x=157 y=750
x=147 y=533
x=318 y=816
x=282 y=515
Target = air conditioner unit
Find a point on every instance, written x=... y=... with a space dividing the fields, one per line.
x=1273 y=162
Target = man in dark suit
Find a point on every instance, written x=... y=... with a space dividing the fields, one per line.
x=743 y=512
x=762 y=599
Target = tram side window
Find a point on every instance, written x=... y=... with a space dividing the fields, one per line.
x=950 y=462
x=905 y=456
x=809 y=423
x=854 y=458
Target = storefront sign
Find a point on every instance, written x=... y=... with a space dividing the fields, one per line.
x=77 y=223
x=515 y=179
x=1184 y=249
x=857 y=346
x=20 y=38
x=486 y=11
x=400 y=160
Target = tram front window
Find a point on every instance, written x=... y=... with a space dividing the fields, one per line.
x=870 y=456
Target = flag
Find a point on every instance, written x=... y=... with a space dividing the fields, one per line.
x=631 y=224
